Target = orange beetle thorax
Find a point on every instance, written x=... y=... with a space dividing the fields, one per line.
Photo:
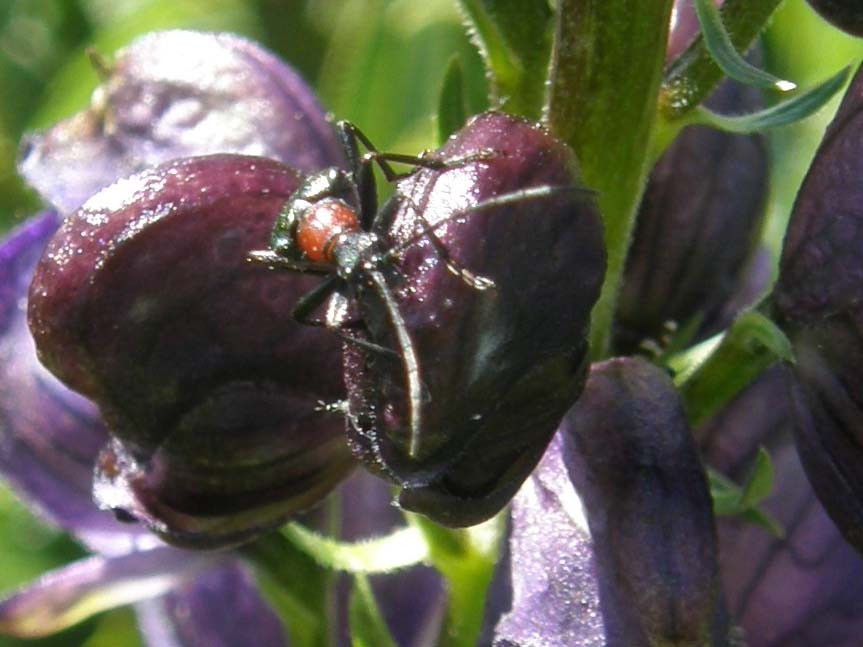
x=322 y=224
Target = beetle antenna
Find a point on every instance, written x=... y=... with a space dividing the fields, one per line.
x=408 y=357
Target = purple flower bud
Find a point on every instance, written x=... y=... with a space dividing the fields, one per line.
x=847 y=15
x=144 y=302
x=613 y=541
x=176 y=94
x=696 y=228
x=817 y=301
x=636 y=467
x=498 y=367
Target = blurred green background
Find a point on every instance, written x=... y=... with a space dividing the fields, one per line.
x=378 y=63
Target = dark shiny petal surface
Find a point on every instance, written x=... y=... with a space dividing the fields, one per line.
x=817 y=301
x=77 y=591
x=801 y=591
x=219 y=608
x=178 y=94
x=697 y=224
x=146 y=302
x=636 y=467
x=49 y=436
x=499 y=366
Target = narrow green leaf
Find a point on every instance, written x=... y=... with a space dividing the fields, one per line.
x=783 y=113
x=452 y=107
x=692 y=76
x=368 y=627
x=296 y=587
x=719 y=44
x=721 y=370
x=727 y=502
x=759 y=485
x=400 y=549
x=466 y=558
x=758 y=517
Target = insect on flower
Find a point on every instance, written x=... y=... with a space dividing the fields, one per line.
x=332 y=226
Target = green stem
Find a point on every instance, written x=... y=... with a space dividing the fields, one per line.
x=296 y=588
x=604 y=85
x=694 y=74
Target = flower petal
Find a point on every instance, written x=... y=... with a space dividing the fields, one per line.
x=75 y=592
x=49 y=436
x=554 y=574
x=631 y=558
x=219 y=608
x=179 y=94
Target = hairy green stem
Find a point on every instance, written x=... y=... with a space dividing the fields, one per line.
x=604 y=83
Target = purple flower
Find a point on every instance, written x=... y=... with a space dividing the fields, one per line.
x=498 y=366
x=164 y=97
x=613 y=540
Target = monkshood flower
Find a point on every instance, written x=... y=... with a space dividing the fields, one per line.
x=818 y=303
x=50 y=439
x=802 y=589
x=51 y=436
x=613 y=539
x=507 y=206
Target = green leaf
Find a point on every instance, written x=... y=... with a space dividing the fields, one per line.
x=694 y=74
x=712 y=373
x=786 y=112
x=760 y=482
x=466 y=558
x=719 y=44
x=452 y=108
x=514 y=39
x=400 y=549
x=296 y=587
x=368 y=627
x=730 y=500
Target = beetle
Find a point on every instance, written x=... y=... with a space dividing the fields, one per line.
x=332 y=226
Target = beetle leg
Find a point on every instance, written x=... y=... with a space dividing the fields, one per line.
x=276 y=261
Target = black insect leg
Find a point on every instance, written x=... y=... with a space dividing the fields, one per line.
x=276 y=261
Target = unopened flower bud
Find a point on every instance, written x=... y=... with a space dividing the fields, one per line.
x=496 y=305
x=144 y=301
x=818 y=302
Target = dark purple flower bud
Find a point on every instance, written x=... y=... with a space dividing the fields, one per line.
x=613 y=541
x=817 y=301
x=176 y=94
x=696 y=228
x=847 y=15
x=635 y=465
x=144 y=302
x=803 y=588
x=497 y=367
